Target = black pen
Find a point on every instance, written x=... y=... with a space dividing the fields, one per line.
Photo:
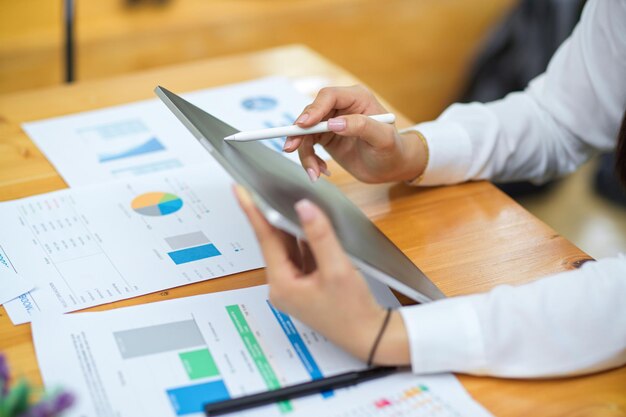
x=294 y=391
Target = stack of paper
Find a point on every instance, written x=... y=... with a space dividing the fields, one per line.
x=149 y=208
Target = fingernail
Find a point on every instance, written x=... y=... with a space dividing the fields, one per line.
x=337 y=124
x=306 y=211
x=326 y=172
x=312 y=174
x=287 y=145
x=303 y=118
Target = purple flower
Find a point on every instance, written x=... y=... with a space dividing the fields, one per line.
x=42 y=409
x=52 y=407
x=4 y=375
x=63 y=401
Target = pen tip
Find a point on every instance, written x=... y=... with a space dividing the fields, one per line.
x=231 y=137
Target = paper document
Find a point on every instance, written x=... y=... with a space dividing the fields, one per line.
x=145 y=137
x=171 y=357
x=12 y=285
x=94 y=245
x=403 y=395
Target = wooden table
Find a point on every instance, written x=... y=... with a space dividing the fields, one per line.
x=466 y=238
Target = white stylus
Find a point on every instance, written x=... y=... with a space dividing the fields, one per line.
x=293 y=130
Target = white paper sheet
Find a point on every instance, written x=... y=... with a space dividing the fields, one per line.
x=168 y=358
x=145 y=137
x=12 y=285
x=403 y=395
x=94 y=245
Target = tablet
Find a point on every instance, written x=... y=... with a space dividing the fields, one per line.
x=276 y=184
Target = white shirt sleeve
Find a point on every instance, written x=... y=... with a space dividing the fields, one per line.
x=566 y=324
x=565 y=115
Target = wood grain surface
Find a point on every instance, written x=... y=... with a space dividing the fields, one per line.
x=466 y=238
x=404 y=48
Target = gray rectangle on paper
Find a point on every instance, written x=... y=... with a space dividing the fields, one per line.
x=158 y=339
x=187 y=240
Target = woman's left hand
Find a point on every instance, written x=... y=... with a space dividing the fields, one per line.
x=316 y=283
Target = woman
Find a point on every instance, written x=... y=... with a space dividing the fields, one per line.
x=570 y=323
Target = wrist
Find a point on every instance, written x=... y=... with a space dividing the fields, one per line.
x=367 y=329
x=416 y=155
x=393 y=348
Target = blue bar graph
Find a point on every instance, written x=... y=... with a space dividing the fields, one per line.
x=299 y=346
x=194 y=254
x=192 y=398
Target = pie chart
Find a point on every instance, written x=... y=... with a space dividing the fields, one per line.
x=156 y=204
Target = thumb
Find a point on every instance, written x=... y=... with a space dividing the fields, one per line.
x=330 y=258
x=377 y=134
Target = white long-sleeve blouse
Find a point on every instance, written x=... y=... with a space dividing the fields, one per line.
x=570 y=323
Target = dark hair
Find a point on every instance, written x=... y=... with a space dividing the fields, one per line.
x=620 y=152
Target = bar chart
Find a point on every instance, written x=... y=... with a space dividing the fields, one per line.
x=182 y=343
x=211 y=348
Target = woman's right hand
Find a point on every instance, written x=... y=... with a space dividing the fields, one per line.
x=372 y=151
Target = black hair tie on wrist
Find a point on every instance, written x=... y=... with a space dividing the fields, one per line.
x=370 y=358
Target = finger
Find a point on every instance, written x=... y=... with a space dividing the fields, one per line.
x=329 y=99
x=378 y=135
x=309 y=160
x=292 y=143
x=275 y=250
x=323 y=166
x=330 y=258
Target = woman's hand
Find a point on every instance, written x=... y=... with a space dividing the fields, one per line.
x=317 y=284
x=372 y=151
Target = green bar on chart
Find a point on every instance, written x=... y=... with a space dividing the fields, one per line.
x=199 y=364
x=255 y=350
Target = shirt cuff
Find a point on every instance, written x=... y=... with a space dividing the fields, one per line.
x=445 y=336
x=450 y=152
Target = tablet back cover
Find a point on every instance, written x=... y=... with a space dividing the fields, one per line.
x=279 y=183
